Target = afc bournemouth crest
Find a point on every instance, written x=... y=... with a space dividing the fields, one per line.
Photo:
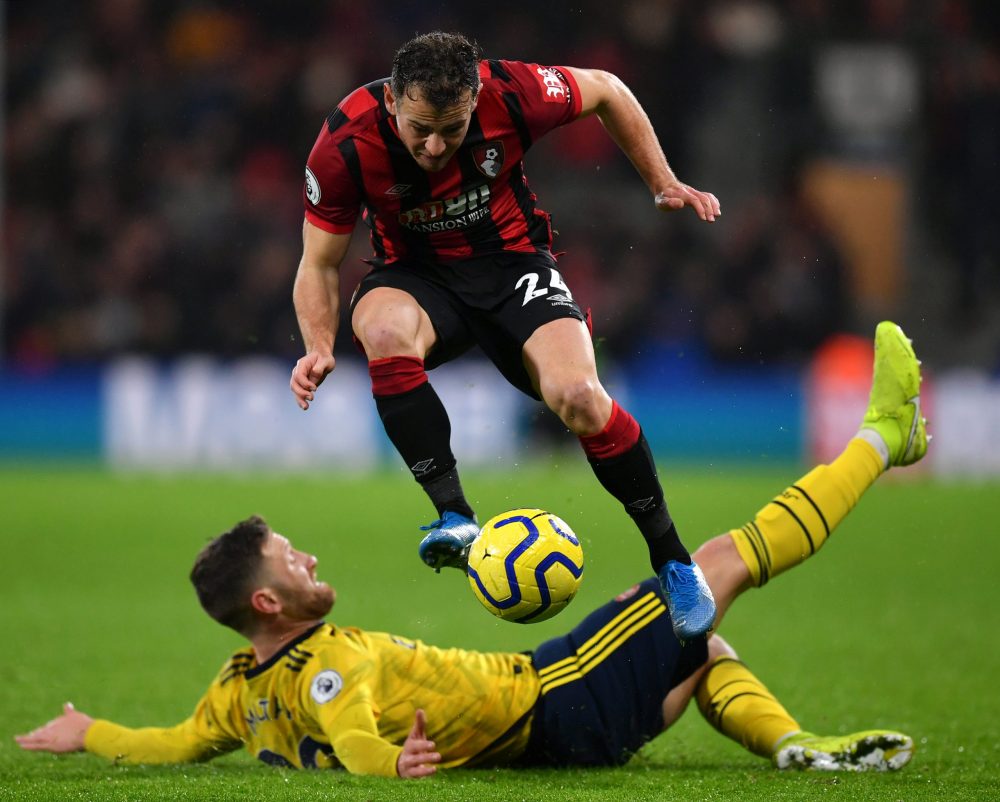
x=489 y=158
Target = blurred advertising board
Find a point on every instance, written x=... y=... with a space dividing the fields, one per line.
x=207 y=413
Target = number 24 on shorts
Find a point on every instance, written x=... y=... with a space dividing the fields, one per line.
x=533 y=291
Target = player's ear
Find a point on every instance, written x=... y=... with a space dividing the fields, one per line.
x=390 y=99
x=265 y=601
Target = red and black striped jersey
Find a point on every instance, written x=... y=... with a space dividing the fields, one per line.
x=479 y=203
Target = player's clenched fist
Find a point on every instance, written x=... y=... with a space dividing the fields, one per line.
x=308 y=375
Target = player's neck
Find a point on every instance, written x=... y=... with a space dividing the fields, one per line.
x=268 y=641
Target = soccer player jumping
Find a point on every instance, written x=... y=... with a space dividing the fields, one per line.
x=463 y=257
x=311 y=694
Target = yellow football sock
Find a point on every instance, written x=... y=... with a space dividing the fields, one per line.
x=738 y=705
x=797 y=523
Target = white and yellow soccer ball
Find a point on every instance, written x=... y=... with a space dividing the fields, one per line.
x=526 y=565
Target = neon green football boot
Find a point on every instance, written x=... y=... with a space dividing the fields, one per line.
x=894 y=404
x=872 y=750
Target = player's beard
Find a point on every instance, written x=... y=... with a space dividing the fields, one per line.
x=308 y=605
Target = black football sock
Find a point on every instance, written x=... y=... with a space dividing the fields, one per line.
x=446 y=494
x=418 y=426
x=632 y=479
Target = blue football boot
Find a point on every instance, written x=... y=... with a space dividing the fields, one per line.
x=689 y=599
x=449 y=541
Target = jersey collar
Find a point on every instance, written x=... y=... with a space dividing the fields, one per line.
x=260 y=669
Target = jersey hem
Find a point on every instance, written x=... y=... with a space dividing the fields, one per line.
x=327 y=226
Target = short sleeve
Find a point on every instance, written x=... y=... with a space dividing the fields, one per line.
x=331 y=196
x=549 y=96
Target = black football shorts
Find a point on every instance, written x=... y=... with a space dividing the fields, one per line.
x=604 y=683
x=495 y=302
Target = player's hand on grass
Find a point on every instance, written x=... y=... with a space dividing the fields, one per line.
x=62 y=734
x=418 y=756
x=308 y=375
x=677 y=195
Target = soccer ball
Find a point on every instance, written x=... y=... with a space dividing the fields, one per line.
x=525 y=566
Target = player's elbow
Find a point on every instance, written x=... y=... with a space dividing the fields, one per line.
x=610 y=89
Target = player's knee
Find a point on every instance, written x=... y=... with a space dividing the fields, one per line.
x=575 y=401
x=716 y=554
x=383 y=338
x=726 y=573
x=718 y=647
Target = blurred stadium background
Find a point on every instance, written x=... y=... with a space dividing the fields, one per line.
x=153 y=154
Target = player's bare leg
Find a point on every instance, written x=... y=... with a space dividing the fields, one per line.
x=397 y=334
x=390 y=322
x=559 y=358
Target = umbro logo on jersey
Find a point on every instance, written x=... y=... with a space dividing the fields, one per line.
x=398 y=189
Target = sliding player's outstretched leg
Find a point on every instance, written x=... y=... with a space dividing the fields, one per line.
x=894 y=406
x=792 y=527
x=871 y=750
x=734 y=701
x=797 y=523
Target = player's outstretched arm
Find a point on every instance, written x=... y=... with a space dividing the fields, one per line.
x=418 y=757
x=316 y=295
x=604 y=94
x=64 y=733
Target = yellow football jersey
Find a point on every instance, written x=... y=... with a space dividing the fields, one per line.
x=342 y=696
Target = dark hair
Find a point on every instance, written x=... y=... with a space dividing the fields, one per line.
x=441 y=65
x=225 y=571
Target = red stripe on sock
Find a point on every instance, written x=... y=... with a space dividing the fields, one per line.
x=619 y=435
x=395 y=375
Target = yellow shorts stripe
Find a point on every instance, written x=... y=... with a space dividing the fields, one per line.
x=602 y=644
x=592 y=650
x=586 y=667
x=608 y=630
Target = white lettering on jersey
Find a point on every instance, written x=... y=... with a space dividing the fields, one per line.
x=449 y=214
x=556 y=90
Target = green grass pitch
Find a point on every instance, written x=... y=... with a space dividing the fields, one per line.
x=894 y=624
